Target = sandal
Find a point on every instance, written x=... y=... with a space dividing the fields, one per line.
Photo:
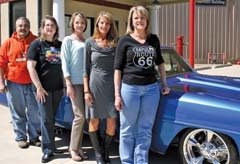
x=75 y=156
x=82 y=154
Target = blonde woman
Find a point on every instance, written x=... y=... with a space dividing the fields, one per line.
x=99 y=85
x=137 y=91
x=72 y=66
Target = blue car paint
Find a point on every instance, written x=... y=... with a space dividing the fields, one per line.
x=64 y=115
x=196 y=102
x=3 y=99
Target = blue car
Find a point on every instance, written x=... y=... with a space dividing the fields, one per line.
x=201 y=115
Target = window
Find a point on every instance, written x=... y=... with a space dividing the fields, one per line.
x=17 y=9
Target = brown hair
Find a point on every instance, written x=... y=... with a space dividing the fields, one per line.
x=74 y=15
x=112 y=34
x=43 y=22
x=143 y=12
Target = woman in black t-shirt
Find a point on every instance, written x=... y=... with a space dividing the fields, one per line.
x=137 y=91
x=44 y=66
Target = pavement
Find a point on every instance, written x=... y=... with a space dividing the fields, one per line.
x=12 y=154
x=219 y=70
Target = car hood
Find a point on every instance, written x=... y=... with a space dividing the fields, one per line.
x=214 y=86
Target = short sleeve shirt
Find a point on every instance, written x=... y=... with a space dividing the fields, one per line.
x=47 y=56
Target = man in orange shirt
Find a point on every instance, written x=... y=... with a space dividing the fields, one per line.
x=15 y=81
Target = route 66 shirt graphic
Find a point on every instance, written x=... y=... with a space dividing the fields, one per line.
x=143 y=56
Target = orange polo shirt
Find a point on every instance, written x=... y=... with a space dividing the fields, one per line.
x=13 y=58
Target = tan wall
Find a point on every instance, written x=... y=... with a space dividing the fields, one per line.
x=4 y=16
x=32 y=15
x=91 y=10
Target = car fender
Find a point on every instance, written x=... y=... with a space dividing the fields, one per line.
x=194 y=111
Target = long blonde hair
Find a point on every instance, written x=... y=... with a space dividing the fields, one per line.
x=143 y=12
x=112 y=34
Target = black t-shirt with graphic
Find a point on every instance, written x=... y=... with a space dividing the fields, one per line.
x=47 y=56
x=137 y=61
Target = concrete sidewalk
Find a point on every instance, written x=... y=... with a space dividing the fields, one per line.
x=219 y=70
x=12 y=154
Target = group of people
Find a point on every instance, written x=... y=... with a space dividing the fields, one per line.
x=105 y=76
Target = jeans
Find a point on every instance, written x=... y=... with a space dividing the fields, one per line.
x=24 y=111
x=47 y=111
x=136 y=121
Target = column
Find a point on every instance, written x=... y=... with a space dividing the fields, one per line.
x=154 y=18
x=58 y=13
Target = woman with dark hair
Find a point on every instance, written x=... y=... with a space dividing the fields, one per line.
x=72 y=66
x=44 y=66
x=98 y=83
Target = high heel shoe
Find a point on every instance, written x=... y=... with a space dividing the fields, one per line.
x=82 y=154
x=75 y=156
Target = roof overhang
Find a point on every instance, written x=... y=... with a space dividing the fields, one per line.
x=146 y=1
x=127 y=6
x=4 y=1
x=121 y=5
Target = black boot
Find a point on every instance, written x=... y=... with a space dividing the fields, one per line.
x=96 y=146
x=107 y=143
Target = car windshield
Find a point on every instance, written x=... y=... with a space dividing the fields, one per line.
x=174 y=64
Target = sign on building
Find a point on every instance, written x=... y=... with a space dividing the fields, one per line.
x=212 y=2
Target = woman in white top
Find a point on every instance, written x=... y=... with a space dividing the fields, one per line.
x=72 y=66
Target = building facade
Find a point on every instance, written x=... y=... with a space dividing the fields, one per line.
x=217 y=27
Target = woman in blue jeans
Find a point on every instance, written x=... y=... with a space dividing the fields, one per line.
x=44 y=66
x=137 y=92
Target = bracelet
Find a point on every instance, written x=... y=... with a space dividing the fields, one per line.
x=86 y=92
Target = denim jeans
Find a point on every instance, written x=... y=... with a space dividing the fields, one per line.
x=47 y=111
x=24 y=111
x=136 y=121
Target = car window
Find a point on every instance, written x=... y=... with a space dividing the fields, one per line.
x=174 y=64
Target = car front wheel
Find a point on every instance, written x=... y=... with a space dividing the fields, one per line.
x=201 y=146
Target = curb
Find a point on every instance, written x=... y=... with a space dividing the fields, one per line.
x=212 y=67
